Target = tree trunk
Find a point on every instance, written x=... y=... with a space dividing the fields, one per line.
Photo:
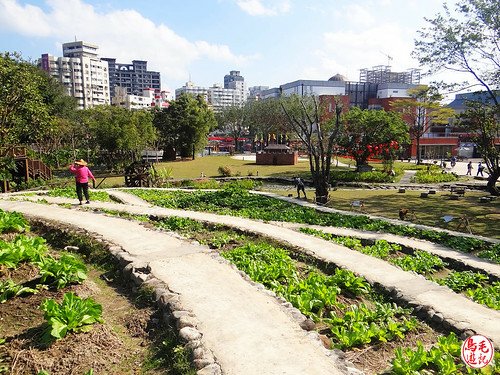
x=418 y=150
x=491 y=186
x=321 y=186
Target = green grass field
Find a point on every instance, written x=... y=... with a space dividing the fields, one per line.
x=484 y=218
x=209 y=165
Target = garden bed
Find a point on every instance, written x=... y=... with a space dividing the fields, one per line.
x=128 y=337
x=239 y=202
x=333 y=300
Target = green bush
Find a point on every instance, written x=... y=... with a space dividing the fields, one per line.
x=433 y=174
x=225 y=171
x=351 y=176
x=206 y=184
x=243 y=184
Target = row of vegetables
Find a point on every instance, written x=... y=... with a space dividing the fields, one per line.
x=344 y=306
x=72 y=313
x=239 y=202
x=367 y=318
x=475 y=285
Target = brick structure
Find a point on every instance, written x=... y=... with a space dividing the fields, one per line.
x=277 y=154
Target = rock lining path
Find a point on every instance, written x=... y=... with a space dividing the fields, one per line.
x=248 y=331
x=187 y=266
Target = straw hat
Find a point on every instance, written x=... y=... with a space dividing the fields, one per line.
x=81 y=162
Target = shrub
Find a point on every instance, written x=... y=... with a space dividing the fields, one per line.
x=243 y=184
x=351 y=176
x=433 y=174
x=206 y=184
x=225 y=171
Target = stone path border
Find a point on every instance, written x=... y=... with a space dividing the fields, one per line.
x=433 y=302
x=234 y=326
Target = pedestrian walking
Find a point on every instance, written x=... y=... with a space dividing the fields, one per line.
x=300 y=187
x=469 y=169
x=82 y=174
x=480 y=169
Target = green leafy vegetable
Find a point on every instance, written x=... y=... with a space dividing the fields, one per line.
x=72 y=314
x=63 y=271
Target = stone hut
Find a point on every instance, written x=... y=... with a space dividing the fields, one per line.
x=277 y=154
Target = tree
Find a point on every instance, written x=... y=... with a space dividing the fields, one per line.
x=234 y=120
x=308 y=119
x=483 y=123
x=55 y=140
x=466 y=41
x=422 y=110
x=266 y=117
x=372 y=132
x=23 y=112
x=118 y=133
x=185 y=124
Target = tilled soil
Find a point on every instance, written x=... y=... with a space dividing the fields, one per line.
x=121 y=345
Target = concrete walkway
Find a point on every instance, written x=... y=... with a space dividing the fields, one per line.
x=248 y=331
x=441 y=304
x=407 y=176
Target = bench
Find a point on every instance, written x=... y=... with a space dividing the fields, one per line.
x=357 y=204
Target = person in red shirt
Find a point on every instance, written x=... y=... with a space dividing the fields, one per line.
x=82 y=174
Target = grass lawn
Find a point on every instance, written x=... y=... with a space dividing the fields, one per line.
x=209 y=165
x=484 y=218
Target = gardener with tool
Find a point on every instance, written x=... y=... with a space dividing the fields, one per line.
x=82 y=174
x=300 y=187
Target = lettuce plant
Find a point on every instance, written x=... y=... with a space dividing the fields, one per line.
x=72 y=314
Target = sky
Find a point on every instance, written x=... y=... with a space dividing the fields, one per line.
x=271 y=42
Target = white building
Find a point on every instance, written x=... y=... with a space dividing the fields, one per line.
x=150 y=98
x=82 y=72
x=219 y=97
x=216 y=96
x=234 y=80
x=190 y=88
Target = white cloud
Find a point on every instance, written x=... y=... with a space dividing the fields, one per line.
x=123 y=34
x=346 y=52
x=359 y=15
x=264 y=7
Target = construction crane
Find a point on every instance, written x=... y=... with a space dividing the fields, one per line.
x=389 y=58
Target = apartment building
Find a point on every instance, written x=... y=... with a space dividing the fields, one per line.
x=82 y=73
x=135 y=77
x=150 y=98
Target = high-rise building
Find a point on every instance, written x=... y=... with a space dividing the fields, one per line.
x=135 y=77
x=82 y=73
x=234 y=80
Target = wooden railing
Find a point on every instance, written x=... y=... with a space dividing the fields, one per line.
x=26 y=168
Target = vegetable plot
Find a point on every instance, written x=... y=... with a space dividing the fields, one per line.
x=239 y=202
x=58 y=273
x=72 y=314
x=442 y=358
x=317 y=295
x=473 y=284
